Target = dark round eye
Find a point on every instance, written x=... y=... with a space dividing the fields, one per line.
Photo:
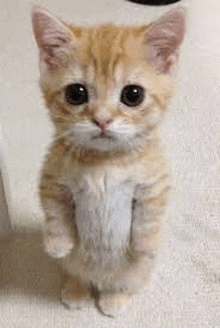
x=132 y=95
x=76 y=94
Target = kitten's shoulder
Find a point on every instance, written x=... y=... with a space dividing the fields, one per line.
x=154 y=160
x=56 y=155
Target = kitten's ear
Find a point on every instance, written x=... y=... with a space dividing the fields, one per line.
x=53 y=37
x=164 y=38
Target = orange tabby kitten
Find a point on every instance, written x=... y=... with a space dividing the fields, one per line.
x=105 y=182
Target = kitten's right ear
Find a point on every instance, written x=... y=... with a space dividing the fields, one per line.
x=53 y=38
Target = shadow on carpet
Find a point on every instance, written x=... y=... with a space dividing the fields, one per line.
x=26 y=269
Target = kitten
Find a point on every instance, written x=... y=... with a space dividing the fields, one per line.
x=105 y=181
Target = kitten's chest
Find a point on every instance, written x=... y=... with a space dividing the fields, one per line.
x=103 y=213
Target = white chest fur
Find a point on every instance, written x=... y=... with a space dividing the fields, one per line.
x=103 y=199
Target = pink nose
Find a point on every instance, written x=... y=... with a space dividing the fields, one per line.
x=102 y=122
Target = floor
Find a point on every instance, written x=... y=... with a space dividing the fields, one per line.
x=185 y=287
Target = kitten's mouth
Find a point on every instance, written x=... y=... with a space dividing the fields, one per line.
x=103 y=136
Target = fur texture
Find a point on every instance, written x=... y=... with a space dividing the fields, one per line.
x=105 y=181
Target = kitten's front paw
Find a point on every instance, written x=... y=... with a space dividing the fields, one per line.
x=58 y=247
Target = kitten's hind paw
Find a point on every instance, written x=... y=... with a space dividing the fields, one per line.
x=58 y=247
x=113 y=305
x=75 y=296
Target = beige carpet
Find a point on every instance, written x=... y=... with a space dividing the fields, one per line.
x=185 y=287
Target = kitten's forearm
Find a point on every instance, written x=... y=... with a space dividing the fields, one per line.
x=148 y=211
x=59 y=233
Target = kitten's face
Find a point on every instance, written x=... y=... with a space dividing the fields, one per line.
x=105 y=88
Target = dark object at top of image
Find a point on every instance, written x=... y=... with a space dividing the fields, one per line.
x=154 y=2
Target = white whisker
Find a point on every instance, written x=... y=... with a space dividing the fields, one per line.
x=63 y=135
x=120 y=135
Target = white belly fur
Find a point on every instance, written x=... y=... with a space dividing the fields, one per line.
x=103 y=219
x=103 y=211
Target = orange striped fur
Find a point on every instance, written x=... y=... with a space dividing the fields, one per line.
x=105 y=181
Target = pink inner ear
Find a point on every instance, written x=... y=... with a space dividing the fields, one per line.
x=52 y=37
x=170 y=26
x=164 y=39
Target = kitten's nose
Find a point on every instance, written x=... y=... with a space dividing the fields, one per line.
x=102 y=122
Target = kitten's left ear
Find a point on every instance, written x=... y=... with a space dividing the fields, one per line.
x=164 y=38
x=53 y=38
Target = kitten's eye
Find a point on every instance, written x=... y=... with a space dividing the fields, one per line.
x=76 y=94
x=132 y=95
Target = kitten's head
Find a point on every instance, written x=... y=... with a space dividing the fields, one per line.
x=107 y=87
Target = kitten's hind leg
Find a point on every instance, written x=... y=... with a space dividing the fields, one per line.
x=76 y=295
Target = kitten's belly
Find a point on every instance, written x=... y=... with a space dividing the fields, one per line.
x=103 y=218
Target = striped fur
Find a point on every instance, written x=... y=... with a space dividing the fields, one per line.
x=104 y=199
